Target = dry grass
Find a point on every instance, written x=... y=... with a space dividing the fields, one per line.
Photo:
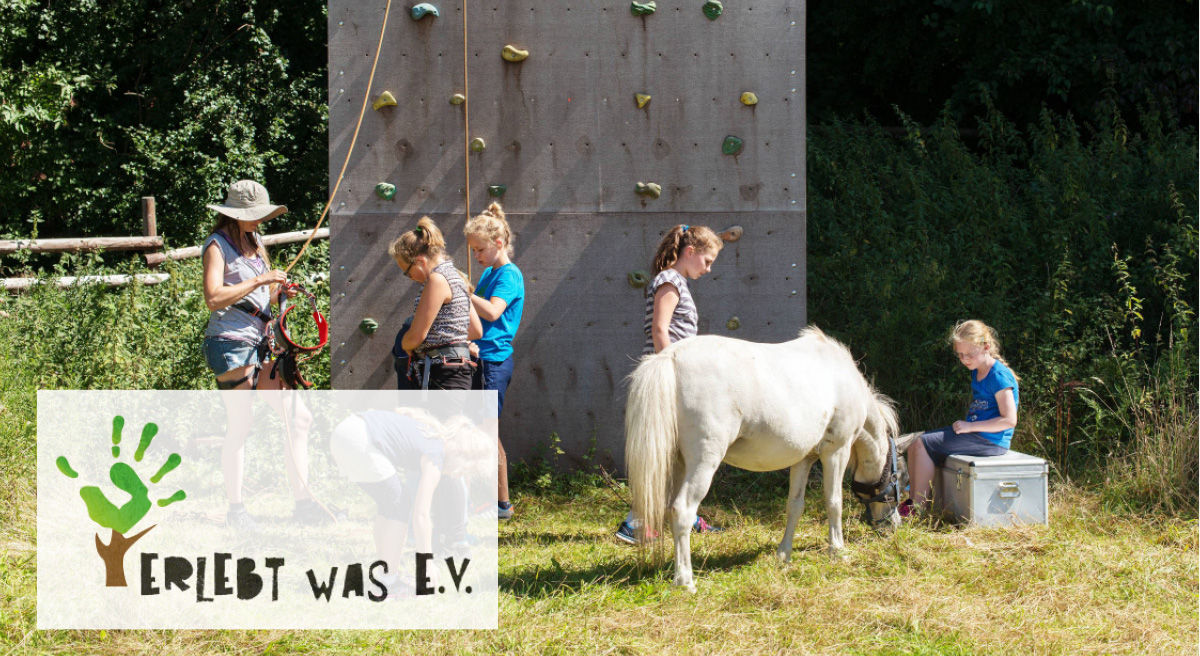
x=1090 y=583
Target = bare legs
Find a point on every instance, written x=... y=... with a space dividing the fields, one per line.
x=920 y=474
x=239 y=417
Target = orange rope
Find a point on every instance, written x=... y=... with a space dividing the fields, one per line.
x=361 y=113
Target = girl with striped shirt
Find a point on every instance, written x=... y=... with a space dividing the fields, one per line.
x=443 y=320
x=686 y=252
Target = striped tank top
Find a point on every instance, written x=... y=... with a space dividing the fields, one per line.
x=454 y=317
x=684 y=320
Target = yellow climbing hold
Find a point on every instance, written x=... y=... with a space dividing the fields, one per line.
x=385 y=99
x=651 y=189
x=514 y=54
x=477 y=145
x=458 y=99
x=642 y=99
x=749 y=98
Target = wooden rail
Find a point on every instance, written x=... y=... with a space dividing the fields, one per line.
x=18 y=284
x=73 y=244
x=155 y=259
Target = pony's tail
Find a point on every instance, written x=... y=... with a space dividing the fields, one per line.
x=651 y=440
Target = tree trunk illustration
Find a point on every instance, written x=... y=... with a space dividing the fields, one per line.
x=113 y=554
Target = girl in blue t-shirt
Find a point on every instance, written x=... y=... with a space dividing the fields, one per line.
x=498 y=299
x=988 y=426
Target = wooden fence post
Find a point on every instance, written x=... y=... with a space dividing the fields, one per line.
x=149 y=218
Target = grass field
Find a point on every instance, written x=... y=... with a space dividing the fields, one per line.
x=1092 y=582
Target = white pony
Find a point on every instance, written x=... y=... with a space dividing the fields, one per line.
x=761 y=407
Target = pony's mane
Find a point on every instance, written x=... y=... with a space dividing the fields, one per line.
x=812 y=332
x=887 y=407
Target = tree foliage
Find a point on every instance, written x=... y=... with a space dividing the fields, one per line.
x=105 y=101
x=1015 y=53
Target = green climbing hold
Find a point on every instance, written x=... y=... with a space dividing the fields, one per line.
x=749 y=98
x=733 y=324
x=385 y=190
x=642 y=99
x=422 y=10
x=496 y=191
x=638 y=279
x=458 y=99
x=732 y=145
x=477 y=145
x=651 y=189
x=642 y=8
x=385 y=99
x=513 y=54
x=713 y=9
x=368 y=326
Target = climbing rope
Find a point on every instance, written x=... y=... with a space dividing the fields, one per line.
x=325 y=212
x=362 y=112
x=467 y=132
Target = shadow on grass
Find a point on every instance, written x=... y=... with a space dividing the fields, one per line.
x=553 y=578
x=525 y=538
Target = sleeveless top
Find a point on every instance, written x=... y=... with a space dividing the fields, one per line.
x=453 y=318
x=685 y=319
x=230 y=322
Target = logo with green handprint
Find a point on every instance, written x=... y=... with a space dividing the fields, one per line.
x=122 y=519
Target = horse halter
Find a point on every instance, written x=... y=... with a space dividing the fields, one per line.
x=280 y=341
x=887 y=490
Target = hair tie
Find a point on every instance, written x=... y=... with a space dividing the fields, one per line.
x=417 y=231
x=685 y=227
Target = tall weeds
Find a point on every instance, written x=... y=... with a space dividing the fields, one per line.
x=1077 y=241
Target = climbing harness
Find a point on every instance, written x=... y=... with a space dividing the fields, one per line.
x=287 y=352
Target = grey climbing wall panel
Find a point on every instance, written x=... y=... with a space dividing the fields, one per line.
x=565 y=135
x=562 y=127
x=582 y=327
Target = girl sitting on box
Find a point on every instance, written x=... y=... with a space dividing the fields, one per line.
x=988 y=426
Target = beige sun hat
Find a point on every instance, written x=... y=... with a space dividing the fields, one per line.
x=246 y=200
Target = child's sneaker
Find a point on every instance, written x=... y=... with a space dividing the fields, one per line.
x=627 y=533
x=242 y=522
x=312 y=514
x=502 y=512
x=701 y=526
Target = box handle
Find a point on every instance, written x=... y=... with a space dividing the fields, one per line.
x=1009 y=490
x=958 y=476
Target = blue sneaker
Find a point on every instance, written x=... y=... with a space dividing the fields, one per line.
x=504 y=513
x=626 y=533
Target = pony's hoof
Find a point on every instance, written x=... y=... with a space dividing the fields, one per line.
x=690 y=586
x=784 y=557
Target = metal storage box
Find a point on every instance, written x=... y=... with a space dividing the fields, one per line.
x=995 y=490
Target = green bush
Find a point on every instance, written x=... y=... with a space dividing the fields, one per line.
x=1077 y=243
x=131 y=337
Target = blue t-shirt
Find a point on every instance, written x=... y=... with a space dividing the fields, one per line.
x=508 y=284
x=983 y=399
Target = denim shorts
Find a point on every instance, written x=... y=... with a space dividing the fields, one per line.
x=494 y=376
x=944 y=442
x=223 y=355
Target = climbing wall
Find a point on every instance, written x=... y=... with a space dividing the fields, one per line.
x=562 y=137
